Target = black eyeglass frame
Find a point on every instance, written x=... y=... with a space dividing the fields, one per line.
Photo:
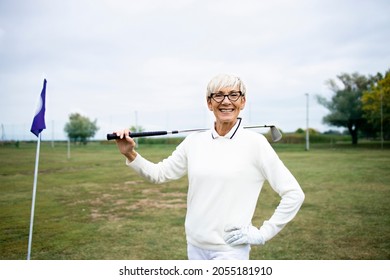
x=226 y=95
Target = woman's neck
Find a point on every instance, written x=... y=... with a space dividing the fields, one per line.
x=223 y=128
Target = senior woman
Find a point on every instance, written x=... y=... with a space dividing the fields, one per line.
x=226 y=168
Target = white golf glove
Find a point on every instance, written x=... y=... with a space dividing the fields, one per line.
x=236 y=235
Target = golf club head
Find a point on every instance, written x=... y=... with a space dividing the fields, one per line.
x=275 y=134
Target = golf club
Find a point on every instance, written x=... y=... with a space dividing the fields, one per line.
x=275 y=133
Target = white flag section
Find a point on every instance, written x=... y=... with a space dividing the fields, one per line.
x=37 y=126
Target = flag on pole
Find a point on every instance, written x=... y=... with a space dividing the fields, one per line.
x=37 y=126
x=39 y=120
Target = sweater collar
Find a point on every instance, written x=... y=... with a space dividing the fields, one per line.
x=230 y=134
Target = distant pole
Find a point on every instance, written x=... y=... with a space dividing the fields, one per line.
x=68 y=148
x=307 y=121
x=381 y=120
x=2 y=133
x=52 y=133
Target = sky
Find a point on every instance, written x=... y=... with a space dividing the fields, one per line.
x=147 y=63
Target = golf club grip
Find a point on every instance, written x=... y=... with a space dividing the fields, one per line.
x=138 y=134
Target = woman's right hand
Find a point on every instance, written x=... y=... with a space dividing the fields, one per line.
x=126 y=144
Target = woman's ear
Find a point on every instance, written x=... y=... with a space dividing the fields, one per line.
x=209 y=105
x=243 y=102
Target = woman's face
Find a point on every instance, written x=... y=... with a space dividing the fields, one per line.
x=226 y=111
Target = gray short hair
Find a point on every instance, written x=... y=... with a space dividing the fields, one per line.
x=225 y=80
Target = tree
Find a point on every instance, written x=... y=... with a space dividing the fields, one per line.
x=135 y=128
x=312 y=131
x=346 y=106
x=376 y=104
x=80 y=128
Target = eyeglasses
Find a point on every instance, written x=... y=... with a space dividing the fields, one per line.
x=232 y=96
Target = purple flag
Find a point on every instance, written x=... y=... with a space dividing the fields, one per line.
x=39 y=120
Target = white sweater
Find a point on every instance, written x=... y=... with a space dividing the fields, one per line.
x=225 y=177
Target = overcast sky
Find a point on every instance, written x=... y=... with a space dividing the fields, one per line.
x=148 y=62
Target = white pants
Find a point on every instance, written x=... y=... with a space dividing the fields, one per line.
x=196 y=253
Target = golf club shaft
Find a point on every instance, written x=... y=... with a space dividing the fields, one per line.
x=275 y=133
x=142 y=134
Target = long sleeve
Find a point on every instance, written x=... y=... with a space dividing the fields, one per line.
x=171 y=168
x=285 y=184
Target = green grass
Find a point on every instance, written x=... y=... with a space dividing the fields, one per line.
x=93 y=207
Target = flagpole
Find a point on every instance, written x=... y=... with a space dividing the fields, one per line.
x=33 y=197
x=37 y=126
